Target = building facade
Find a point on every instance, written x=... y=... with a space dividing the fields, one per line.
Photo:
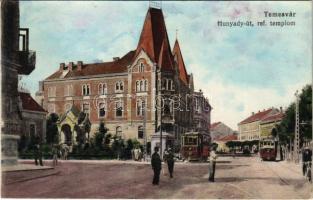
x=201 y=113
x=250 y=128
x=16 y=59
x=34 y=118
x=146 y=90
x=269 y=123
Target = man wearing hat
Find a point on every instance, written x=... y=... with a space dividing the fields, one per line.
x=169 y=158
x=156 y=166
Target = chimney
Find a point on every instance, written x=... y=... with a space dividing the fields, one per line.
x=62 y=66
x=281 y=109
x=116 y=58
x=252 y=113
x=70 y=66
x=259 y=110
x=79 y=65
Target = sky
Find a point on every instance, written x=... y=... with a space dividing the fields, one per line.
x=240 y=70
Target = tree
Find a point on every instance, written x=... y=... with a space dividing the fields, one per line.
x=286 y=128
x=100 y=135
x=52 y=132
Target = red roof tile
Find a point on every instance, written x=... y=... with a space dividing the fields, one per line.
x=228 y=138
x=117 y=66
x=257 y=116
x=28 y=103
x=180 y=61
x=154 y=39
x=214 y=125
x=271 y=118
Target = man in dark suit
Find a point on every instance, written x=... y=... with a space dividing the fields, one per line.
x=169 y=159
x=156 y=166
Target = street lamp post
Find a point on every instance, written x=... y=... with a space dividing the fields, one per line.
x=297 y=137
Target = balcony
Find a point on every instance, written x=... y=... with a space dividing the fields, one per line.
x=27 y=61
x=26 y=57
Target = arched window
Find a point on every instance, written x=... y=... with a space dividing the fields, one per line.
x=67 y=107
x=140 y=107
x=140 y=132
x=164 y=83
x=141 y=67
x=118 y=108
x=102 y=109
x=146 y=85
x=86 y=89
x=100 y=89
x=119 y=131
x=119 y=86
x=141 y=86
x=104 y=88
x=137 y=86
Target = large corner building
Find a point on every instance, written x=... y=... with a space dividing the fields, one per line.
x=151 y=76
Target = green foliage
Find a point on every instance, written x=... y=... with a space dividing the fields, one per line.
x=100 y=137
x=52 y=132
x=286 y=128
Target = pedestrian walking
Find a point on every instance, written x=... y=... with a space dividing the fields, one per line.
x=212 y=164
x=169 y=159
x=156 y=166
x=37 y=151
x=55 y=152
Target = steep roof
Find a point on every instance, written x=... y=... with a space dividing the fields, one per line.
x=73 y=110
x=257 y=116
x=28 y=103
x=117 y=66
x=214 y=125
x=180 y=61
x=154 y=39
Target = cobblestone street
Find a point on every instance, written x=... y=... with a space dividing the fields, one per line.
x=235 y=178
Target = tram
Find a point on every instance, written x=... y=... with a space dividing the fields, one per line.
x=267 y=149
x=195 y=146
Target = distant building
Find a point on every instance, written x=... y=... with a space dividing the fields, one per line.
x=268 y=124
x=34 y=118
x=202 y=113
x=219 y=129
x=250 y=128
x=221 y=142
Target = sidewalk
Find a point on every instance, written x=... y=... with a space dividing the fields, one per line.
x=115 y=161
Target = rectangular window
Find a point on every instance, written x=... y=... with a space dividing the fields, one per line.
x=86 y=108
x=101 y=110
x=118 y=109
x=140 y=132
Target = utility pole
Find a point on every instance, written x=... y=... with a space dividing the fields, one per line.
x=296 y=140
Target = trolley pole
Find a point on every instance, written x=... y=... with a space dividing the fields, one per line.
x=296 y=141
